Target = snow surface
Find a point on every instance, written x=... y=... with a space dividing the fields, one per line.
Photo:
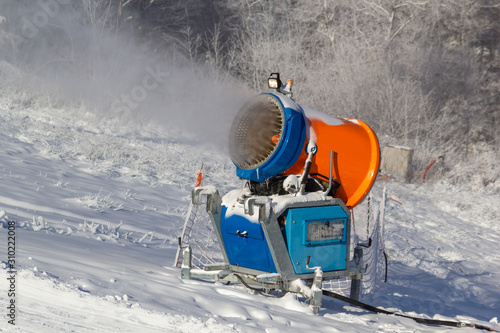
x=99 y=204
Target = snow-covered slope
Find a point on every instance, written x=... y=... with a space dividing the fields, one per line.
x=99 y=204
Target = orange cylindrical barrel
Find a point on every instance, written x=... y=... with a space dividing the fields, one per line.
x=356 y=154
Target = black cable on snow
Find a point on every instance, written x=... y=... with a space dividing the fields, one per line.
x=374 y=309
x=417 y=319
x=246 y=284
x=385 y=256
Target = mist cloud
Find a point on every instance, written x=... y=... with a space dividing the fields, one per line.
x=61 y=55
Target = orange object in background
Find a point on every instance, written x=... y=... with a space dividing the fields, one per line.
x=199 y=178
x=356 y=155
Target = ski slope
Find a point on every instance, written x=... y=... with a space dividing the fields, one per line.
x=99 y=204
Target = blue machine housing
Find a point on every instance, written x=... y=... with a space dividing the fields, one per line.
x=318 y=233
x=245 y=243
x=289 y=147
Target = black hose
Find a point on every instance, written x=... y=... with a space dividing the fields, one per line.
x=246 y=284
x=385 y=256
x=417 y=319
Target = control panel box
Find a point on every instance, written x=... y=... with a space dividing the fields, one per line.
x=320 y=234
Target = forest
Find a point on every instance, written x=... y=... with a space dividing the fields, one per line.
x=423 y=74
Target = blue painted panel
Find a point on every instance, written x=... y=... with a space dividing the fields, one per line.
x=326 y=242
x=250 y=251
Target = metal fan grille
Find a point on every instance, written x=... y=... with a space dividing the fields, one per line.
x=256 y=132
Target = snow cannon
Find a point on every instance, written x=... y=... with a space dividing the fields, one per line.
x=289 y=226
x=272 y=136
